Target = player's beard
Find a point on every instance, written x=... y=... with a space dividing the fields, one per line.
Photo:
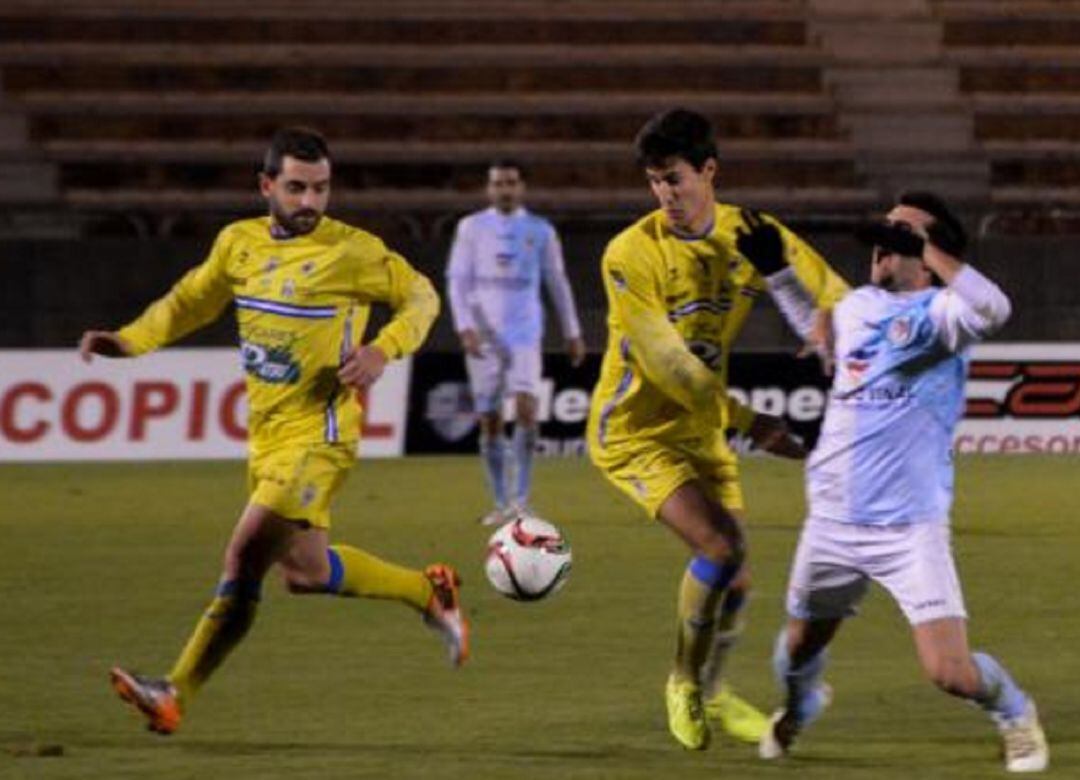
x=887 y=283
x=506 y=204
x=298 y=223
x=886 y=280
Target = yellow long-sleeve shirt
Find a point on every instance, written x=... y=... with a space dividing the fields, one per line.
x=301 y=304
x=675 y=309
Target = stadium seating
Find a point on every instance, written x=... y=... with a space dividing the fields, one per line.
x=163 y=106
x=1019 y=65
x=166 y=105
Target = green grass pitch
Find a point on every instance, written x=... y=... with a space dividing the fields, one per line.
x=105 y=564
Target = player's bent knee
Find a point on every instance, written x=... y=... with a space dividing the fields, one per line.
x=298 y=582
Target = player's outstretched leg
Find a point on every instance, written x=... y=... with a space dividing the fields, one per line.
x=433 y=592
x=154 y=697
x=444 y=614
x=805 y=697
x=735 y=715
x=943 y=650
x=225 y=622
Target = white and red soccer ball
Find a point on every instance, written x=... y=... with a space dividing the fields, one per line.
x=527 y=559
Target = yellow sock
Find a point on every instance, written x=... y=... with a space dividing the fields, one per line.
x=726 y=632
x=696 y=608
x=358 y=573
x=218 y=631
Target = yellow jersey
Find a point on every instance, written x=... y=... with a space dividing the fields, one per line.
x=302 y=303
x=676 y=306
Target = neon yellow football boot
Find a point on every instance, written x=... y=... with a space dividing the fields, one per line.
x=686 y=716
x=736 y=716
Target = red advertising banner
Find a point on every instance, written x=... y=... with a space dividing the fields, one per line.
x=179 y=403
x=1022 y=398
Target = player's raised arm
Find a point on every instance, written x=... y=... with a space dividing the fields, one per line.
x=803 y=286
x=972 y=305
x=197 y=299
x=656 y=346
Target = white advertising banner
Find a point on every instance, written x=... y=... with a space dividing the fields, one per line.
x=1022 y=398
x=177 y=403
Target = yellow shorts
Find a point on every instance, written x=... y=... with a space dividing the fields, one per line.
x=649 y=472
x=299 y=481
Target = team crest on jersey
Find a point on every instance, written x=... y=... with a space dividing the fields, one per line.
x=901 y=330
x=273 y=364
x=288 y=289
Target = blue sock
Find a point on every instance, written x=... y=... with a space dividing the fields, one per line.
x=524 y=446
x=493 y=451
x=999 y=694
x=802 y=686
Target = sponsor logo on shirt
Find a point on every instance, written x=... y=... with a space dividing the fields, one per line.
x=273 y=364
x=886 y=394
x=858 y=361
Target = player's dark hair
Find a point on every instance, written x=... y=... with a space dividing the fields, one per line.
x=508 y=163
x=302 y=143
x=676 y=133
x=947 y=232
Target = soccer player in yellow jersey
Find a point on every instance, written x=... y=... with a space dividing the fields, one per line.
x=680 y=283
x=303 y=284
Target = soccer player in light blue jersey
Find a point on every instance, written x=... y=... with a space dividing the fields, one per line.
x=498 y=260
x=880 y=481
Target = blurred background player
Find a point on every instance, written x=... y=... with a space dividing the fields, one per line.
x=497 y=261
x=302 y=284
x=880 y=480
x=680 y=283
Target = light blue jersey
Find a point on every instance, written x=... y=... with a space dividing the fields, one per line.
x=496 y=267
x=884 y=456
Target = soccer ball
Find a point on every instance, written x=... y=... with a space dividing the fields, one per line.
x=527 y=559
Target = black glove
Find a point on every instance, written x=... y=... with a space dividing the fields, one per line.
x=891 y=238
x=760 y=243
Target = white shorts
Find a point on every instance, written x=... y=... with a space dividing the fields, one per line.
x=835 y=562
x=502 y=370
